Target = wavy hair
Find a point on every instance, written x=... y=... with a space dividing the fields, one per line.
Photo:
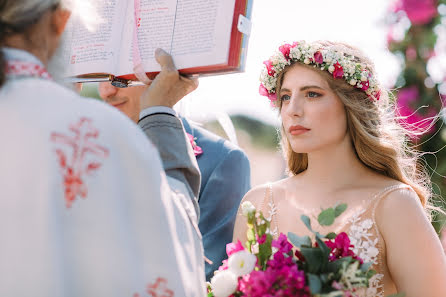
x=378 y=138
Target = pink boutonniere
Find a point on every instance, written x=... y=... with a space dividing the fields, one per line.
x=197 y=150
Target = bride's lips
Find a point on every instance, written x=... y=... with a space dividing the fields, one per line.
x=298 y=130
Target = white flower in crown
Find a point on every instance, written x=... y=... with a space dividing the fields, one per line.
x=336 y=62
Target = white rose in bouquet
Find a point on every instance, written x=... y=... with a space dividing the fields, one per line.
x=247 y=208
x=242 y=263
x=224 y=283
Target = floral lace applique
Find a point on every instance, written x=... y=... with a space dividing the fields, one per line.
x=272 y=212
x=365 y=246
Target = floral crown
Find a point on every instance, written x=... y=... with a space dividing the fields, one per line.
x=334 y=61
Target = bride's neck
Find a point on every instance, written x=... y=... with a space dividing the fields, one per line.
x=335 y=166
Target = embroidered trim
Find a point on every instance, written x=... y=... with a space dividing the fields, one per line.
x=20 y=68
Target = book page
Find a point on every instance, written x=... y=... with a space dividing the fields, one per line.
x=97 y=51
x=196 y=33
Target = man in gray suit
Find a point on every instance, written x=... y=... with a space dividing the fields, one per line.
x=224 y=167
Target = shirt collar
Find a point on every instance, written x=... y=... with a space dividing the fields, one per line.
x=20 y=55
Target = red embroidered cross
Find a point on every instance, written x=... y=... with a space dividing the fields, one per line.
x=159 y=288
x=74 y=169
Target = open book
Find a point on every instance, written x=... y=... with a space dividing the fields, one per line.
x=203 y=36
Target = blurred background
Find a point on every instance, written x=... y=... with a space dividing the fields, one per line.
x=405 y=38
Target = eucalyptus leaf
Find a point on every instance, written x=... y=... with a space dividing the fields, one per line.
x=314 y=258
x=335 y=266
x=314 y=283
x=398 y=295
x=366 y=266
x=340 y=209
x=326 y=217
x=330 y=235
x=306 y=221
x=324 y=248
x=299 y=241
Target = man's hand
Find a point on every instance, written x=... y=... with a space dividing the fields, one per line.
x=168 y=87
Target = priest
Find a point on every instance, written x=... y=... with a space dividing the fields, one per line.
x=85 y=206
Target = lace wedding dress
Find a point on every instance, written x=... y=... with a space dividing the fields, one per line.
x=360 y=224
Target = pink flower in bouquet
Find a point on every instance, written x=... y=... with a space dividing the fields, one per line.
x=419 y=12
x=406 y=98
x=338 y=71
x=286 y=281
x=282 y=244
x=232 y=248
x=341 y=248
x=262 y=239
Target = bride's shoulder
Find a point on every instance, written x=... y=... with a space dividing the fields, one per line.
x=257 y=194
x=401 y=203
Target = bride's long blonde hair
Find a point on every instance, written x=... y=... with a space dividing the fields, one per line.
x=379 y=140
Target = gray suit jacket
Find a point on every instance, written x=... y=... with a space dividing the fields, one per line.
x=225 y=179
x=167 y=133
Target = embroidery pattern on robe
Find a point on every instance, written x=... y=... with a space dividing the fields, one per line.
x=73 y=160
x=158 y=289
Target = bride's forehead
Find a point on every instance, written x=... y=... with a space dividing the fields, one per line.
x=298 y=76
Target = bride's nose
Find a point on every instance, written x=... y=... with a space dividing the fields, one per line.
x=295 y=107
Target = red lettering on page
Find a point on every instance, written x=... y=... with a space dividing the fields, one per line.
x=78 y=157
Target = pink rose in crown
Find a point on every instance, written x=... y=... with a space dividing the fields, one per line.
x=318 y=58
x=263 y=91
x=419 y=11
x=338 y=71
x=285 y=50
x=365 y=85
x=269 y=67
x=272 y=98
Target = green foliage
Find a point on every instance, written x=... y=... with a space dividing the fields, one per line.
x=320 y=271
x=299 y=241
x=257 y=227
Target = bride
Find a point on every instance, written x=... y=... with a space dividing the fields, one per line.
x=343 y=144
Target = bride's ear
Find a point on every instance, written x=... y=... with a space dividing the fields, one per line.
x=59 y=20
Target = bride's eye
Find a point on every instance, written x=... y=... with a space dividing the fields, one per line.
x=285 y=97
x=312 y=94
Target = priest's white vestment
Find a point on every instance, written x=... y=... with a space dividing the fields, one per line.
x=85 y=207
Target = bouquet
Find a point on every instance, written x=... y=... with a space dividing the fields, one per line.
x=291 y=265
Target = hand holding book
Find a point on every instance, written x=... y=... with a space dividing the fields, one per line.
x=169 y=86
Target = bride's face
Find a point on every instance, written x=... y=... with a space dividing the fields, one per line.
x=313 y=116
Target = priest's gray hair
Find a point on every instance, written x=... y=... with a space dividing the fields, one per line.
x=17 y=16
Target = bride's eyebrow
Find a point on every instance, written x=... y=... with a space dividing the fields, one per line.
x=311 y=87
x=304 y=88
